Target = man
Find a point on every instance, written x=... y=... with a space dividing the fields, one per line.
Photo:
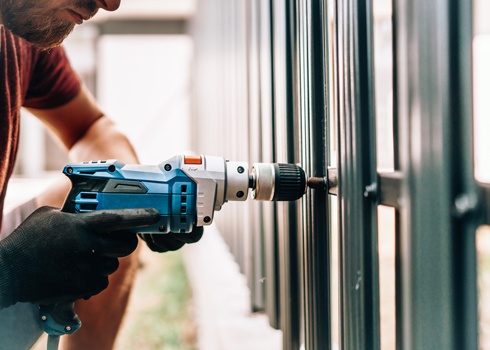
x=52 y=256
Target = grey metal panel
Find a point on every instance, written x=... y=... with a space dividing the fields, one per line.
x=397 y=201
x=229 y=102
x=268 y=155
x=311 y=70
x=238 y=133
x=205 y=75
x=359 y=281
x=243 y=141
x=433 y=188
x=258 y=268
x=287 y=213
x=220 y=105
x=226 y=56
x=295 y=136
x=435 y=132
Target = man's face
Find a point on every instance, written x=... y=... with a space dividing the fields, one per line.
x=46 y=23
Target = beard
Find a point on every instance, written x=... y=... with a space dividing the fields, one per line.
x=39 y=25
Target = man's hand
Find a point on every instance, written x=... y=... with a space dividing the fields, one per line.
x=171 y=241
x=55 y=257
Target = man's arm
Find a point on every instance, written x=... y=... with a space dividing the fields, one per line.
x=89 y=135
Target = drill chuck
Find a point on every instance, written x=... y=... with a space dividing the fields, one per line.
x=277 y=182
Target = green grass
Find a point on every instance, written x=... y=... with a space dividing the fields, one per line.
x=158 y=316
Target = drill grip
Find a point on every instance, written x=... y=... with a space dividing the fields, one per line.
x=59 y=319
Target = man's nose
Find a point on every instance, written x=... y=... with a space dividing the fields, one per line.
x=108 y=5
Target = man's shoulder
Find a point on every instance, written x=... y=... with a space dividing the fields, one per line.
x=7 y=36
x=12 y=45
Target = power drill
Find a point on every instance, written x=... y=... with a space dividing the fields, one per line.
x=186 y=190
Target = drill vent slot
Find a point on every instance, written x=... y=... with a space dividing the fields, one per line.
x=87 y=172
x=184 y=188
x=88 y=195
x=88 y=206
x=182 y=219
x=182 y=210
x=183 y=199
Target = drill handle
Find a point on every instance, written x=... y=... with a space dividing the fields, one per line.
x=59 y=319
x=69 y=204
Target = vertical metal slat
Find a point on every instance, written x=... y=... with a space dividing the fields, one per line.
x=437 y=219
x=287 y=223
x=313 y=74
x=357 y=178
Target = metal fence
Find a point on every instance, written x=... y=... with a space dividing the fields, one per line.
x=294 y=81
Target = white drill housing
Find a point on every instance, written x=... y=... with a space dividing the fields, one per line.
x=218 y=181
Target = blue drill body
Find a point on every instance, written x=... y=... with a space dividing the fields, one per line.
x=114 y=185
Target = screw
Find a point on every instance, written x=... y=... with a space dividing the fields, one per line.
x=371 y=190
x=112 y=168
x=317 y=183
x=207 y=219
x=67 y=328
x=168 y=167
x=464 y=204
x=240 y=170
x=69 y=170
x=240 y=194
x=161 y=229
x=44 y=318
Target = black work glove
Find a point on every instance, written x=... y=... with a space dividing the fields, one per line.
x=163 y=242
x=57 y=257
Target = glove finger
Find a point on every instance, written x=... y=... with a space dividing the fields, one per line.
x=171 y=245
x=120 y=219
x=149 y=242
x=96 y=286
x=107 y=266
x=92 y=285
x=161 y=242
x=56 y=299
x=191 y=237
x=115 y=244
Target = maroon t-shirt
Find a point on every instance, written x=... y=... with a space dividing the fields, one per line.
x=32 y=78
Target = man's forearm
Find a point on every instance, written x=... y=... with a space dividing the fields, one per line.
x=101 y=141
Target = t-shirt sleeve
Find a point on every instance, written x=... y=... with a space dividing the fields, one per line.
x=53 y=83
